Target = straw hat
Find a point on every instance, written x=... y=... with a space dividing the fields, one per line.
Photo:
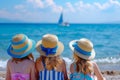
x=49 y=46
x=20 y=46
x=83 y=48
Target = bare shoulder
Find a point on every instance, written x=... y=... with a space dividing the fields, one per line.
x=63 y=61
x=30 y=62
x=39 y=64
x=62 y=65
x=72 y=67
x=9 y=61
x=38 y=59
x=94 y=64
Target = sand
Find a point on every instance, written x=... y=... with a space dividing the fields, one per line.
x=109 y=75
x=2 y=75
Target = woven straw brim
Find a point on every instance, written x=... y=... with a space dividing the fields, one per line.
x=80 y=54
x=58 y=51
x=31 y=47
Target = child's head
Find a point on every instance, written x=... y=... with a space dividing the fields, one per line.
x=21 y=47
x=83 y=53
x=51 y=48
x=83 y=48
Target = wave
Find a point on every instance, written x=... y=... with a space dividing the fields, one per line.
x=3 y=63
x=68 y=61
x=110 y=60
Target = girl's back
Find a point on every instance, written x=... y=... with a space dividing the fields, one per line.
x=21 y=65
x=53 y=74
x=83 y=68
x=21 y=69
x=79 y=75
x=49 y=65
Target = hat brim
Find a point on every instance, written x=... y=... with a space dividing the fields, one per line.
x=92 y=56
x=24 y=53
x=58 y=51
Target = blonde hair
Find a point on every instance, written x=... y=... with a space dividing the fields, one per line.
x=29 y=57
x=82 y=65
x=52 y=62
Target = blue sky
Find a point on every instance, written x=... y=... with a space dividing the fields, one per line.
x=48 y=11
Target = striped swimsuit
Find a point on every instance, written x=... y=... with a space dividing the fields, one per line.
x=50 y=75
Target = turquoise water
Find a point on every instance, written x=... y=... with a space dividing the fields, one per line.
x=105 y=37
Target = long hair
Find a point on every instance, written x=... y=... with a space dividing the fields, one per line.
x=52 y=62
x=82 y=65
x=29 y=57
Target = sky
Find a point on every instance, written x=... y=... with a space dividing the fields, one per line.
x=48 y=11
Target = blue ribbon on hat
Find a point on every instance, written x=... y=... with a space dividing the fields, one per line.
x=49 y=50
x=77 y=48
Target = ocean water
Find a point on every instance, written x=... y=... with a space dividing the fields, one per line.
x=105 y=37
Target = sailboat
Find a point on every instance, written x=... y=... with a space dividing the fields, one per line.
x=61 y=22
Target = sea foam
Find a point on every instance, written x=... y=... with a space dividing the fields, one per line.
x=68 y=61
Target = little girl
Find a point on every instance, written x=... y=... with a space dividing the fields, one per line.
x=49 y=65
x=21 y=66
x=83 y=68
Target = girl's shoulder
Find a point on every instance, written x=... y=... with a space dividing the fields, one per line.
x=29 y=62
x=72 y=67
x=63 y=62
x=9 y=62
x=38 y=60
x=94 y=64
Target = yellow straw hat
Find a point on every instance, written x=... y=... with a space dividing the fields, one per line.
x=49 y=46
x=83 y=48
x=20 y=46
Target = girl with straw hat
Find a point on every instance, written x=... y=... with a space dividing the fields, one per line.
x=21 y=66
x=83 y=68
x=49 y=65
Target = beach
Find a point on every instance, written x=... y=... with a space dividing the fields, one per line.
x=109 y=75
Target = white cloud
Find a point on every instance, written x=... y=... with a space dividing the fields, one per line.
x=42 y=3
x=108 y=4
x=81 y=6
x=102 y=6
x=49 y=2
x=56 y=8
x=36 y=3
x=116 y=2
x=70 y=7
x=39 y=3
x=46 y=4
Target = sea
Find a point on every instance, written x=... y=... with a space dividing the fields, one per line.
x=105 y=37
